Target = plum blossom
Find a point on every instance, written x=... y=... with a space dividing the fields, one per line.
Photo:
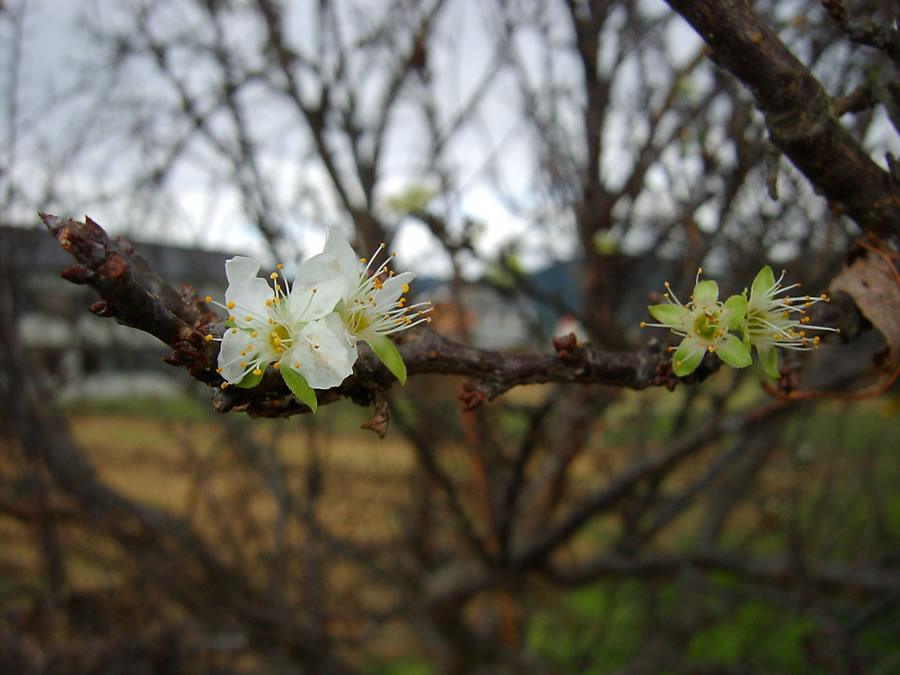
x=292 y=327
x=308 y=330
x=704 y=322
x=774 y=321
x=372 y=303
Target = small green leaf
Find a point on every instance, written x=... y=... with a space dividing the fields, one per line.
x=734 y=352
x=250 y=380
x=387 y=352
x=687 y=357
x=736 y=309
x=768 y=357
x=669 y=315
x=298 y=384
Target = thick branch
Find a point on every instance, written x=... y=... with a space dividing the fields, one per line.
x=132 y=294
x=798 y=112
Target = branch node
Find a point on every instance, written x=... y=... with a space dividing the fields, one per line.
x=103 y=308
x=471 y=396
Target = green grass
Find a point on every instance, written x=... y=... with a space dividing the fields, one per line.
x=592 y=630
x=757 y=636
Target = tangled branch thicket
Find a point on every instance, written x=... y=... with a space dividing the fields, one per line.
x=614 y=518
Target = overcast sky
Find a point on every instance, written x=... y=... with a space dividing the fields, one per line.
x=53 y=43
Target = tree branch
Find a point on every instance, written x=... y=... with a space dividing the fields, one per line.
x=136 y=297
x=798 y=112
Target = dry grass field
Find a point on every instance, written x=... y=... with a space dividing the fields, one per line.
x=178 y=457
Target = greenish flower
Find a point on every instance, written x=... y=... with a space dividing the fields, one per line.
x=704 y=322
x=774 y=320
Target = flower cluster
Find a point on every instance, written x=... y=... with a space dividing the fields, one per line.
x=309 y=330
x=766 y=320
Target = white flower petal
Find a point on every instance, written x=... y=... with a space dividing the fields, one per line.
x=247 y=291
x=240 y=268
x=329 y=364
x=230 y=357
x=306 y=305
x=336 y=244
x=316 y=269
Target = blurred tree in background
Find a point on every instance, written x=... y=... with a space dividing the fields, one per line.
x=606 y=520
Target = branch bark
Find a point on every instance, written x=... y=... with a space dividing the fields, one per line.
x=798 y=111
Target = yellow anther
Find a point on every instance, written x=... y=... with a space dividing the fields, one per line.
x=231 y=317
x=274 y=275
x=363 y=261
x=254 y=333
x=230 y=305
x=208 y=298
x=208 y=338
x=243 y=364
x=296 y=365
x=218 y=370
x=280 y=266
x=257 y=371
x=276 y=365
x=224 y=385
x=405 y=288
x=269 y=302
x=233 y=331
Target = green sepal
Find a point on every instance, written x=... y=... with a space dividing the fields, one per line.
x=298 y=384
x=687 y=357
x=768 y=358
x=250 y=380
x=388 y=354
x=734 y=352
x=736 y=310
x=668 y=315
x=764 y=281
x=230 y=324
x=706 y=293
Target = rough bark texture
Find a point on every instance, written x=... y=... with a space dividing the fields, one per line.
x=798 y=111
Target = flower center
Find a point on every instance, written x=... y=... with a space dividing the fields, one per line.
x=280 y=338
x=706 y=325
